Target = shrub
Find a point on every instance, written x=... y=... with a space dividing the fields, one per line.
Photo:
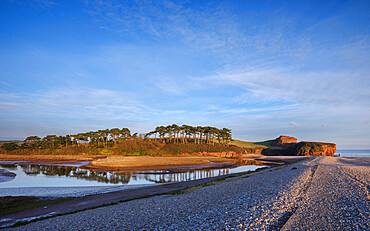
x=308 y=148
x=10 y=146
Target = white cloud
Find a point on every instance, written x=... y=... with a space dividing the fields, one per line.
x=295 y=124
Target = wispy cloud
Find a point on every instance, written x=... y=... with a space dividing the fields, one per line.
x=78 y=103
x=170 y=85
x=278 y=85
x=211 y=26
x=295 y=124
x=37 y=4
x=253 y=110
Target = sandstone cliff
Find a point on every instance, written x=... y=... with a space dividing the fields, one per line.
x=315 y=149
x=284 y=140
x=288 y=146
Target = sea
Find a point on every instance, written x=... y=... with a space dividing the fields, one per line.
x=353 y=152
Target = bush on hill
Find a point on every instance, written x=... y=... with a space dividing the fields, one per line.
x=10 y=146
x=308 y=148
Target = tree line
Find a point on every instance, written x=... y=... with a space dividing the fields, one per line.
x=111 y=137
x=198 y=134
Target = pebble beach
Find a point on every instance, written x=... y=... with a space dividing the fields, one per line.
x=322 y=193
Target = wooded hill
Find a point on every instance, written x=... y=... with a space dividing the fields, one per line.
x=163 y=139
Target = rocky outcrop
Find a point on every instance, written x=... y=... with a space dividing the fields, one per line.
x=282 y=140
x=288 y=146
x=315 y=149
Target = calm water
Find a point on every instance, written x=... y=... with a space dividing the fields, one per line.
x=353 y=152
x=57 y=176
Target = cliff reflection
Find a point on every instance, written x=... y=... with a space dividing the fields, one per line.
x=144 y=177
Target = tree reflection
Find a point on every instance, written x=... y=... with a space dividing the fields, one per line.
x=175 y=176
x=124 y=177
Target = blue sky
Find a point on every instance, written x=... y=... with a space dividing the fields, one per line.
x=261 y=68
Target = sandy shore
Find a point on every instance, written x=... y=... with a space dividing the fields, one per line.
x=323 y=193
x=157 y=162
x=107 y=162
x=279 y=159
x=143 y=162
x=59 y=192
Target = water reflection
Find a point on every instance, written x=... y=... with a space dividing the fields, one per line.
x=90 y=175
x=127 y=177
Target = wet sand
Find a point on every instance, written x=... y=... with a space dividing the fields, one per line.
x=276 y=160
x=149 y=162
x=141 y=162
x=63 y=192
x=120 y=162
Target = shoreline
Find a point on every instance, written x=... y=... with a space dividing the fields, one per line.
x=122 y=163
x=147 y=163
x=144 y=162
x=114 y=196
x=257 y=196
x=128 y=163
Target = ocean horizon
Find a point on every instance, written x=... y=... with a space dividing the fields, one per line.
x=353 y=152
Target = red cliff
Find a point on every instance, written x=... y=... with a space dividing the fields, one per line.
x=315 y=149
x=288 y=146
x=284 y=140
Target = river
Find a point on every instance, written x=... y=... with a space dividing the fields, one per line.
x=41 y=175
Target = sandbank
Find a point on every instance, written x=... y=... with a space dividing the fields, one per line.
x=120 y=161
x=150 y=162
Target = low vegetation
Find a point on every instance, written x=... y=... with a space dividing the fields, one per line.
x=304 y=148
x=246 y=144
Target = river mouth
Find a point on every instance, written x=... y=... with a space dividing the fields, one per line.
x=29 y=174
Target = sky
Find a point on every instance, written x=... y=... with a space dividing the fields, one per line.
x=260 y=68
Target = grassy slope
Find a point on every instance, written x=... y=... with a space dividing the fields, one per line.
x=135 y=146
x=246 y=144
